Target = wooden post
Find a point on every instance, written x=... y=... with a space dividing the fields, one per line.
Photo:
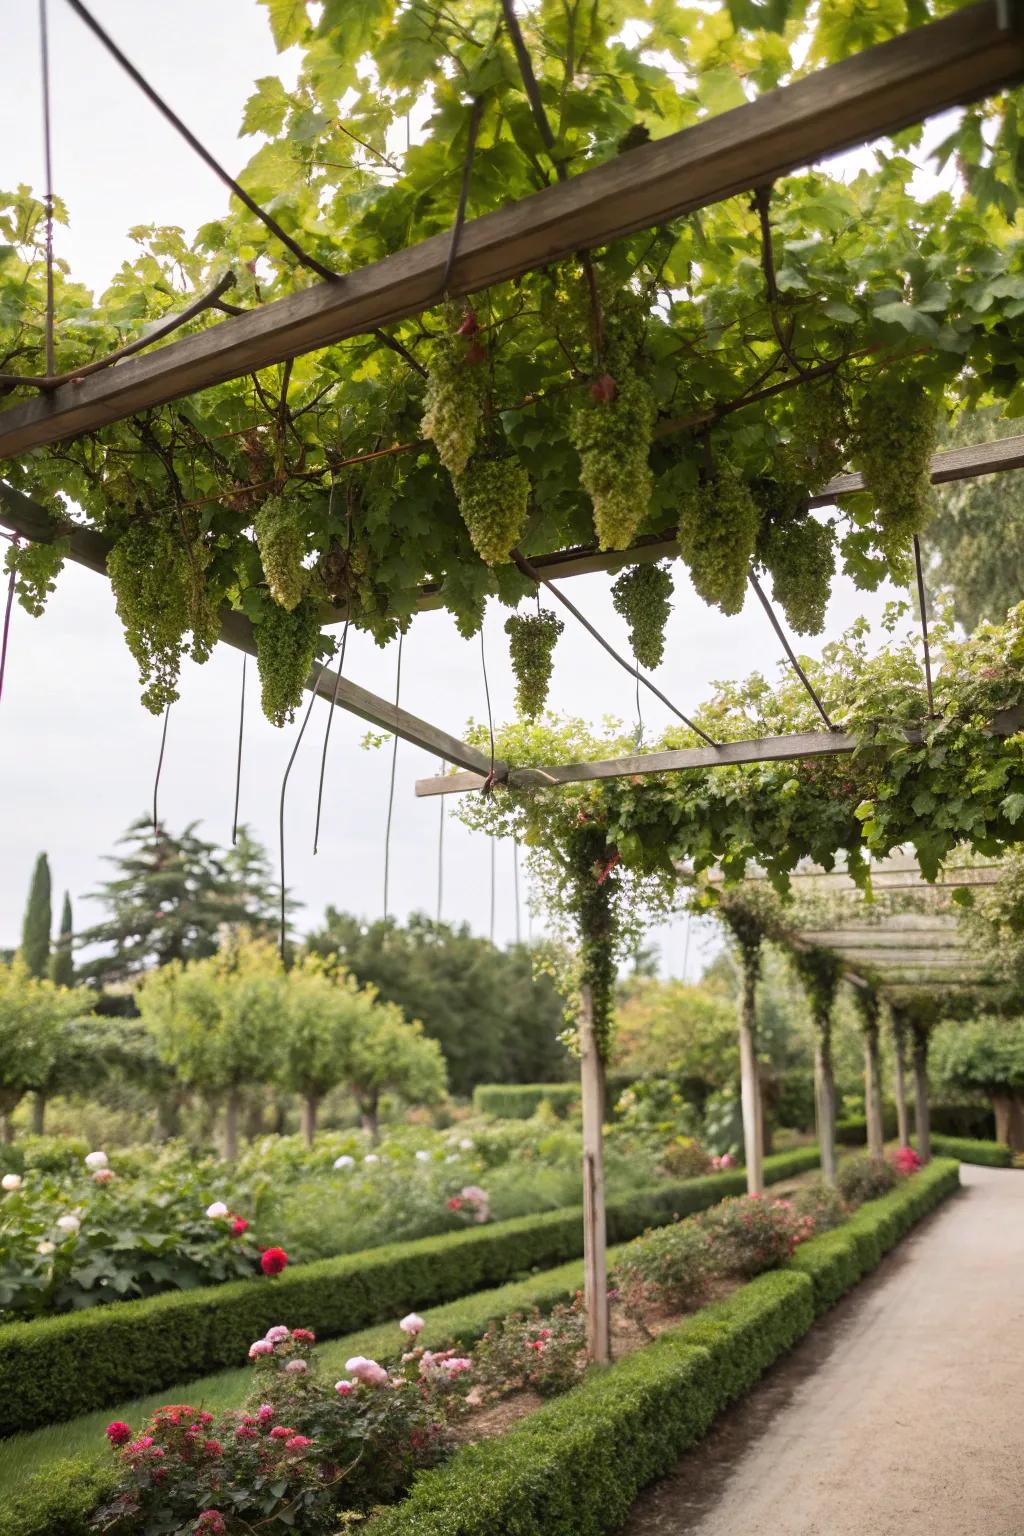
x=873 y=1093
x=922 y=1114
x=900 y=1079
x=595 y=1238
x=231 y=1108
x=825 y=1093
x=750 y=1084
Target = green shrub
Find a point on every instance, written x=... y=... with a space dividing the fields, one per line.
x=864 y=1178
x=990 y=1154
x=518 y=1101
x=822 y=1202
x=56 y=1368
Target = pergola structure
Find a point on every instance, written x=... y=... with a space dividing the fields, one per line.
x=960 y=59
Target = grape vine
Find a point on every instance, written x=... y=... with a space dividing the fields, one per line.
x=36 y=568
x=286 y=646
x=801 y=558
x=280 y=536
x=493 y=495
x=456 y=387
x=895 y=437
x=532 y=640
x=819 y=430
x=643 y=596
x=718 y=525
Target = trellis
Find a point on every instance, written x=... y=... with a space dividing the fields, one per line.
x=960 y=59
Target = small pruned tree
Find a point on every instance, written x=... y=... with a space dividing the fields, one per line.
x=869 y=1006
x=218 y=1022
x=34 y=1018
x=393 y=1054
x=820 y=972
x=986 y=1055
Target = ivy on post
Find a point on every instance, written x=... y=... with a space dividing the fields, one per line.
x=745 y=913
x=821 y=971
x=899 y=1036
x=870 y=1006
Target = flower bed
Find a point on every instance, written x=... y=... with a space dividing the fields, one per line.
x=56 y=1368
x=571 y=1469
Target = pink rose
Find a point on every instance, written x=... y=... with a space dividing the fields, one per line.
x=103 y=1175
x=367 y=1371
x=264 y=1413
x=281 y=1432
x=457 y=1367
x=296 y=1367
x=261 y=1347
x=276 y=1334
x=412 y=1324
x=298 y=1443
x=343 y=1388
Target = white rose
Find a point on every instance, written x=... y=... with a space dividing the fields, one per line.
x=68 y=1224
x=465 y=1145
x=423 y=1157
x=344 y=1161
x=95 y=1161
x=370 y=1158
x=217 y=1210
x=46 y=1247
x=11 y=1181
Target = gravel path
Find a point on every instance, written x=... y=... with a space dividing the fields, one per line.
x=901 y=1413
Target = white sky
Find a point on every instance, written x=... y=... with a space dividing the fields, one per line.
x=77 y=751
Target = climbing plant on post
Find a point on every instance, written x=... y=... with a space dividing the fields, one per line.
x=870 y=1007
x=899 y=1038
x=820 y=971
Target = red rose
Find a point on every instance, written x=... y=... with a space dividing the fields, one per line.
x=303 y=1336
x=455 y=1204
x=238 y=1226
x=273 y=1260
x=118 y=1433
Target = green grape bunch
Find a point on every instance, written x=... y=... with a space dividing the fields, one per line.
x=643 y=596
x=281 y=540
x=611 y=429
x=286 y=647
x=493 y=495
x=819 y=431
x=160 y=596
x=718 y=527
x=35 y=568
x=802 y=560
x=896 y=429
x=456 y=389
x=532 y=639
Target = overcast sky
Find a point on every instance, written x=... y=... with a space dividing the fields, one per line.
x=77 y=750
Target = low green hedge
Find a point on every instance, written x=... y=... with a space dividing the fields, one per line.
x=56 y=1368
x=991 y=1154
x=518 y=1101
x=575 y=1467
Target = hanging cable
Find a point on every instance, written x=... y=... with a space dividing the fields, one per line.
x=494 y=884
x=791 y=654
x=541 y=580
x=924 y=626
x=327 y=736
x=200 y=149
x=280 y=816
x=639 y=712
x=8 y=608
x=159 y=767
x=440 y=848
x=391 y=788
x=44 y=51
x=238 y=762
x=488 y=783
x=515 y=887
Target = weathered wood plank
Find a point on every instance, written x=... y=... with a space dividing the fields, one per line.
x=953 y=61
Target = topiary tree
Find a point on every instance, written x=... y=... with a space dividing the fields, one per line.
x=218 y=1022
x=35 y=928
x=392 y=1054
x=33 y=1018
x=986 y=1055
x=62 y=965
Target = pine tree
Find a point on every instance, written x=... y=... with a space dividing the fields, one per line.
x=62 y=966
x=35 y=930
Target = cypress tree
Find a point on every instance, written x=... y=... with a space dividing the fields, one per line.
x=62 y=967
x=35 y=930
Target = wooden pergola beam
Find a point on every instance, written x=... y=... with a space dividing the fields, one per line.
x=89 y=548
x=963 y=57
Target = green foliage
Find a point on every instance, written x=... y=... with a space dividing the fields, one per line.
x=62 y=965
x=865 y=1178
x=35 y=928
x=801 y=558
x=493 y=494
x=454 y=398
x=519 y=1101
x=642 y=595
x=611 y=430
x=718 y=525
x=532 y=639
x=671 y=1265
x=36 y=568
x=286 y=648
x=32 y=1015
x=989 y=1154
x=280 y=537
x=895 y=439
x=537 y=1352
x=980 y=1055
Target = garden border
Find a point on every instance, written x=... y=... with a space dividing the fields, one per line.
x=56 y=1368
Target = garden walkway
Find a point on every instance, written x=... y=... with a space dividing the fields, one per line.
x=900 y=1413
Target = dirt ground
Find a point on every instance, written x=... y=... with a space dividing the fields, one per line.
x=901 y=1414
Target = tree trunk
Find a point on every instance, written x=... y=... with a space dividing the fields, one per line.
x=369 y=1115
x=922 y=1115
x=38 y=1114
x=873 y=1093
x=900 y=1084
x=310 y=1105
x=595 y=1235
x=1009 y=1113
x=6 y=1128
x=231 y=1107
x=750 y=1086
x=825 y=1096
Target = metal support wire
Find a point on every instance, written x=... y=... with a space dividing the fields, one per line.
x=790 y=653
x=924 y=626
x=440 y=848
x=391 y=788
x=280 y=815
x=541 y=580
x=8 y=608
x=159 y=768
x=494 y=885
x=515 y=887
x=238 y=762
x=327 y=737
x=44 y=53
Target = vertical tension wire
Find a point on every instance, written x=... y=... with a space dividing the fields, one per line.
x=44 y=52
x=327 y=737
x=391 y=788
x=924 y=627
x=489 y=783
x=8 y=607
x=238 y=761
x=515 y=887
x=284 y=788
x=440 y=848
x=159 y=767
x=494 y=856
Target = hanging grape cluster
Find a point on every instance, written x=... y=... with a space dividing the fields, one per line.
x=801 y=558
x=643 y=596
x=36 y=568
x=895 y=437
x=532 y=639
x=718 y=526
x=161 y=596
x=611 y=429
x=819 y=430
x=493 y=496
x=456 y=388
x=286 y=645
x=280 y=536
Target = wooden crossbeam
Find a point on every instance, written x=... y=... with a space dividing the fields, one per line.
x=89 y=548
x=959 y=59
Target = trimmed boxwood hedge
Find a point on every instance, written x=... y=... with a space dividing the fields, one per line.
x=56 y=1368
x=518 y=1101
x=575 y=1467
x=990 y=1154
